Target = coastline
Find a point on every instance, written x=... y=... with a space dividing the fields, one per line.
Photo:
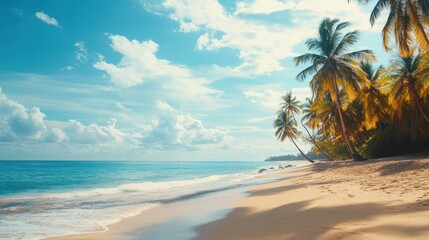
x=184 y=215
x=376 y=199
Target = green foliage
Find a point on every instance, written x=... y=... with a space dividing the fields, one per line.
x=387 y=142
x=382 y=111
x=335 y=149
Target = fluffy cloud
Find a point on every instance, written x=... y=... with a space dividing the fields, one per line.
x=271 y=98
x=47 y=19
x=174 y=129
x=81 y=53
x=263 y=6
x=171 y=129
x=16 y=121
x=262 y=46
x=76 y=132
x=20 y=123
x=139 y=64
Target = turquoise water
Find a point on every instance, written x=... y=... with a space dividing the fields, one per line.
x=50 y=198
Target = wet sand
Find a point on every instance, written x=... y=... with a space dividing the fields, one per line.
x=376 y=199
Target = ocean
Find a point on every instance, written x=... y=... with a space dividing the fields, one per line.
x=52 y=198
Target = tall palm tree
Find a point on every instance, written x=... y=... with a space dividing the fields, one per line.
x=408 y=82
x=292 y=106
x=408 y=22
x=333 y=67
x=374 y=102
x=286 y=128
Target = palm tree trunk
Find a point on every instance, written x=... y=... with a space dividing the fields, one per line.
x=354 y=154
x=417 y=102
x=421 y=110
x=314 y=142
x=312 y=161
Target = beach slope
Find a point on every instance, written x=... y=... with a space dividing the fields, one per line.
x=376 y=199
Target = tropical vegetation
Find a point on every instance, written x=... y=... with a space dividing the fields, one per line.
x=407 y=23
x=359 y=110
x=285 y=126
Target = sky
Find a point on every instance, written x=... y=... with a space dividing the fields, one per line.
x=156 y=80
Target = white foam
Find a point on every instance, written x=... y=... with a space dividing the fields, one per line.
x=47 y=215
x=87 y=210
x=133 y=188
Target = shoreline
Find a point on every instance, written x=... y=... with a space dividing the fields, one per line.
x=375 y=199
x=201 y=209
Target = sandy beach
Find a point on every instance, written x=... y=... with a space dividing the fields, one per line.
x=375 y=199
x=386 y=199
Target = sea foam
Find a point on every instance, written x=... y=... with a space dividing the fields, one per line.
x=45 y=214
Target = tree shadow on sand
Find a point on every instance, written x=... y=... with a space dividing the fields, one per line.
x=312 y=222
x=281 y=189
x=298 y=221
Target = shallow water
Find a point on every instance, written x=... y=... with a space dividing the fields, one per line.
x=50 y=198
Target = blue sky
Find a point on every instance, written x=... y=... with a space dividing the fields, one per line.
x=156 y=80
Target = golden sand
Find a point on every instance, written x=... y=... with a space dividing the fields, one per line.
x=377 y=199
x=386 y=199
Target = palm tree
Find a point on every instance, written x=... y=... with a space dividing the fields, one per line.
x=292 y=106
x=334 y=68
x=408 y=22
x=286 y=128
x=407 y=80
x=374 y=102
x=309 y=114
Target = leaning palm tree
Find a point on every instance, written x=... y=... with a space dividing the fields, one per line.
x=286 y=128
x=407 y=80
x=292 y=106
x=408 y=22
x=334 y=68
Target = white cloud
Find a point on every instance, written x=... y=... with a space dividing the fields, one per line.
x=16 y=121
x=76 y=132
x=268 y=98
x=122 y=107
x=245 y=129
x=81 y=53
x=174 y=129
x=20 y=123
x=272 y=98
x=139 y=64
x=47 y=19
x=301 y=94
x=309 y=13
x=258 y=45
x=262 y=46
x=68 y=68
x=260 y=119
x=263 y=6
